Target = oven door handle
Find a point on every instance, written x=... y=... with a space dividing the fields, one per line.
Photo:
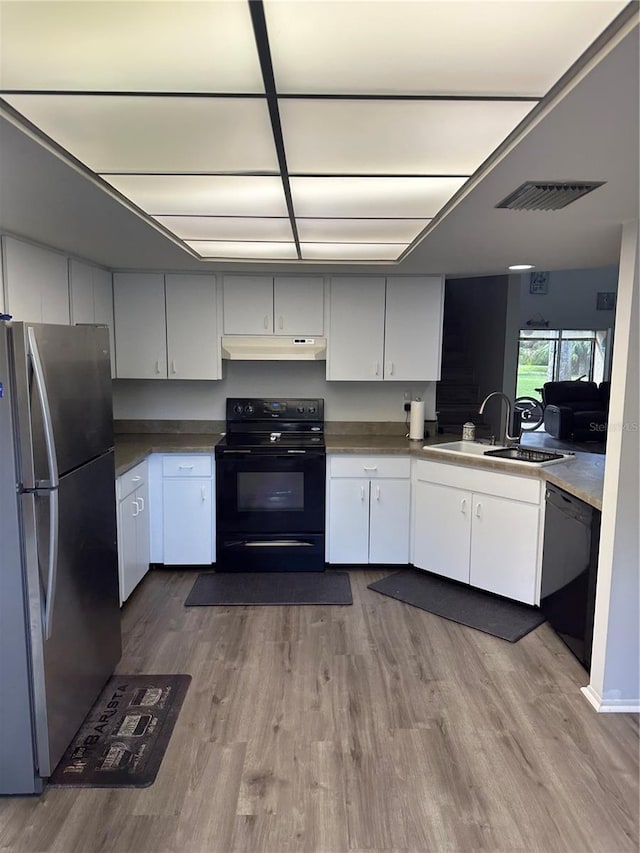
x=270 y=543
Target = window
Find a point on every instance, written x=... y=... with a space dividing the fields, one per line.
x=553 y=355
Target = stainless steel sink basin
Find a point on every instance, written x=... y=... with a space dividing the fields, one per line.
x=525 y=454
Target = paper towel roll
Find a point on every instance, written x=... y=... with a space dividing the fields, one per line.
x=416 y=422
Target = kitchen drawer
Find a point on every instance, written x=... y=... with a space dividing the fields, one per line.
x=369 y=466
x=127 y=483
x=512 y=486
x=179 y=465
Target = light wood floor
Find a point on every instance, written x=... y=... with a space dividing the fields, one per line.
x=376 y=727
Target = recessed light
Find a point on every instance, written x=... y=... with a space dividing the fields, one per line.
x=521 y=267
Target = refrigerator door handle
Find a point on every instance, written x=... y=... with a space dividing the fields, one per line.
x=52 y=577
x=41 y=388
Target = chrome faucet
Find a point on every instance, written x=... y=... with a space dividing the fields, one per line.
x=505 y=438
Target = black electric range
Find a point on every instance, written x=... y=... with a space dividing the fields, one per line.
x=270 y=486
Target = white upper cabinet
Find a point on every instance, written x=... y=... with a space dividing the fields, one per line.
x=247 y=304
x=413 y=328
x=298 y=305
x=193 y=350
x=387 y=329
x=166 y=326
x=91 y=298
x=356 y=328
x=262 y=305
x=141 y=337
x=36 y=282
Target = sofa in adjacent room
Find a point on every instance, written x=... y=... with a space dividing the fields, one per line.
x=576 y=411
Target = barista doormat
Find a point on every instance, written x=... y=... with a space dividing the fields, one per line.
x=123 y=739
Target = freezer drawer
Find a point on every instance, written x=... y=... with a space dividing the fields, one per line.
x=76 y=631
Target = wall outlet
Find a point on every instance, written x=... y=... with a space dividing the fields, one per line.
x=407 y=407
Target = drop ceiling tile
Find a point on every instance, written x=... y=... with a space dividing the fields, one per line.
x=129 y=46
x=240 y=249
x=395 y=137
x=501 y=47
x=227 y=228
x=359 y=230
x=385 y=198
x=119 y=133
x=351 y=251
x=203 y=195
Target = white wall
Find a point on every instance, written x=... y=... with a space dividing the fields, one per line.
x=344 y=401
x=570 y=301
x=615 y=669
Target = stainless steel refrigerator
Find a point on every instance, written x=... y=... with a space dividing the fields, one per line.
x=59 y=607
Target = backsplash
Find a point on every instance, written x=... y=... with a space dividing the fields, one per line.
x=138 y=399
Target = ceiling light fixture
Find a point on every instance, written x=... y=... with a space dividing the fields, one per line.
x=521 y=267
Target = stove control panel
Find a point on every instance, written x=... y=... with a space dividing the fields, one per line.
x=252 y=409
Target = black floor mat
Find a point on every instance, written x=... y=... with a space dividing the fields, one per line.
x=123 y=739
x=270 y=588
x=500 y=617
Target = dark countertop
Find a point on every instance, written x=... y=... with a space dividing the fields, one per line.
x=582 y=476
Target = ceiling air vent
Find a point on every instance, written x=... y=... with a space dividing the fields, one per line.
x=547 y=196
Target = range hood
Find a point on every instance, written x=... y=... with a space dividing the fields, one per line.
x=273 y=348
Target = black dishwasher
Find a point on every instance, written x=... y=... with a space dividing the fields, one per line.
x=569 y=570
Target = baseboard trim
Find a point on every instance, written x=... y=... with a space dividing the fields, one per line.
x=610 y=706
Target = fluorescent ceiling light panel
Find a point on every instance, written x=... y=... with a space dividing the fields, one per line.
x=247 y=250
x=384 y=198
x=351 y=251
x=138 y=134
x=227 y=228
x=360 y=230
x=395 y=137
x=502 y=47
x=130 y=46
x=203 y=195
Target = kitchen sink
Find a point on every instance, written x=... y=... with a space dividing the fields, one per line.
x=527 y=454
x=514 y=453
x=465 y=448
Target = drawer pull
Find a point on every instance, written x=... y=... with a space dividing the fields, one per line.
x=186 y=467
x=135 y=479
x=369 y=467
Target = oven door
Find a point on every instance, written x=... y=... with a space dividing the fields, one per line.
x=270 y=511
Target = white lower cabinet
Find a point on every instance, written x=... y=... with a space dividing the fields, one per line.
x=442 y=530
x=133 y=528
x=368 y=509
x=183 y=524
x=487 y=534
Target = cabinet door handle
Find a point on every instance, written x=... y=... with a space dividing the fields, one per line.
x=478 y=508
x=158 y=366
x=203 y=494
x=463 y=506
x=140 y=502
x=136 y=508
x=281 y=322
x=390 y=369
x=377 y=493
x=361 y=493
x=376 y=368
x=369 y=467
x=173 y=365
x=266 y=321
